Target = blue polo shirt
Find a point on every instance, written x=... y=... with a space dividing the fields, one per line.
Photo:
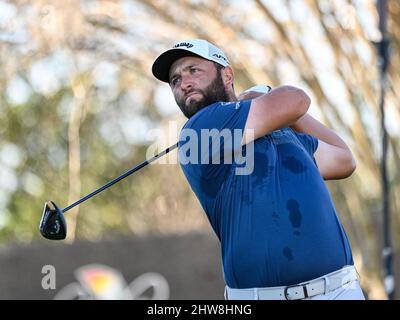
x=276 y=222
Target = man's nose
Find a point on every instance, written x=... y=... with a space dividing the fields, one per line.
x=186 y=83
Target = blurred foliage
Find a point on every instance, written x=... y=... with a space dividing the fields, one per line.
x=77 y=101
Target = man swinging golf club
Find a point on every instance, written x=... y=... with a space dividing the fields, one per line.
x=280 y=234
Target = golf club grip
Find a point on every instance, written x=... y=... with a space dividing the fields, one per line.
x=128 y=173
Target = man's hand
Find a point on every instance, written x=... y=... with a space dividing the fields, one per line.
x=248 y=95
x=254 y=92
x=274 y=110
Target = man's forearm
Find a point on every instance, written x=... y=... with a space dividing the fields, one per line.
x=308 y=124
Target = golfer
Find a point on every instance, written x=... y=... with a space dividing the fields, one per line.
x=281 y=238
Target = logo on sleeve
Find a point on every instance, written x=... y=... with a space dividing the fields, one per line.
x=231 y=104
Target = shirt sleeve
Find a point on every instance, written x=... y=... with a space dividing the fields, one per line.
x=214 y=133
x=222 y=115
x=309 y=142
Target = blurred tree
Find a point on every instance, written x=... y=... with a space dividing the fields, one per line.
x=78 y=100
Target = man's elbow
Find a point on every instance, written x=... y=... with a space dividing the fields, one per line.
x=342 y=169
x=349 y=167
x=296 y=94
x=303 y=102
x=352 y=165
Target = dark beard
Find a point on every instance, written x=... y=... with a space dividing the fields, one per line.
x=213 y=93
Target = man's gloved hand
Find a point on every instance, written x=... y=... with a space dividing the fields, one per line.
x=254 y=92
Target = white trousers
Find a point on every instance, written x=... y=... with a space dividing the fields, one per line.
x=349 y=291
x=344 y=285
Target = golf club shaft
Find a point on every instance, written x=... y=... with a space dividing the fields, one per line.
x=128 y=173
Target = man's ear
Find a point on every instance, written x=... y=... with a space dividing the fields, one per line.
x=228 y=76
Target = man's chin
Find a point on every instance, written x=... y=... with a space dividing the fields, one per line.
x=193 y=107
x=194 y=101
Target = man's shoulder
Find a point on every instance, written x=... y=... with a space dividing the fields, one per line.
x=212 y=113
x=199 y=115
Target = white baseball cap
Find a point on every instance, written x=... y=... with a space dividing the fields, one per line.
x=190 y=47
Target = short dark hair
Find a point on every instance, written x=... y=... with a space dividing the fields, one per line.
x=219 y=67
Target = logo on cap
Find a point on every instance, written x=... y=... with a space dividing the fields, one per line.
x=183 y=44
x=218 y=56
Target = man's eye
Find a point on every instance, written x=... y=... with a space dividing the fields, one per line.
x=174 y=81
x=193 y=70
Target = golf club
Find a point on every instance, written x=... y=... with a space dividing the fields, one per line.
x=52 y=224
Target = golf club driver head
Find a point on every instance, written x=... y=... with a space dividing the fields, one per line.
x=52 y=225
